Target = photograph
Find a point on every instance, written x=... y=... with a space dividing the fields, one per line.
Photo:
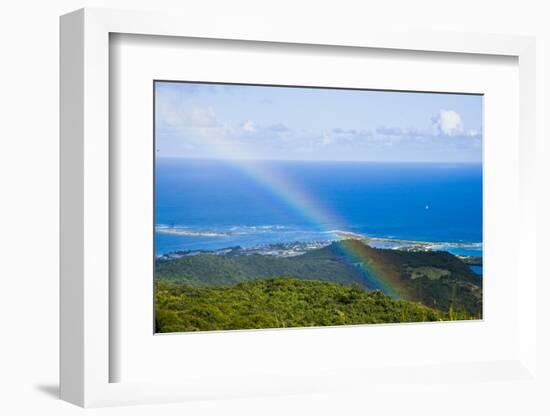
x=282 y=206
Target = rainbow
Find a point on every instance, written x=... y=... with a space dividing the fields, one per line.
x=381 y=274
x=313 y=211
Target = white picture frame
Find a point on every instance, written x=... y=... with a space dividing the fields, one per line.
x=86 y=356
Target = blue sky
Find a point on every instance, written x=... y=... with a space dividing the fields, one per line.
x=260 y=122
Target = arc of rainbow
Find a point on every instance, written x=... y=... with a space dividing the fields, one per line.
x=279 y=186
x=302 y=202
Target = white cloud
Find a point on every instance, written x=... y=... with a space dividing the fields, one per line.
x=327 y=139
x=175 y=110
x=249 y=126
x=448 y=123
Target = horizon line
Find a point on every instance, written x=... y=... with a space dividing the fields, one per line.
x=480 y=162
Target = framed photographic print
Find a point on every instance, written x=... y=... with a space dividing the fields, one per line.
x=285 y=206
x=266 y=212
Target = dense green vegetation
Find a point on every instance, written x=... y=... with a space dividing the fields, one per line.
x=437 y=279
x=281 y=303
x=458 y=288
x=220 y=270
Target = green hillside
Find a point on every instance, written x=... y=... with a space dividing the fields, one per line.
x=281 y=302
x=437 y=279
x=221 y=270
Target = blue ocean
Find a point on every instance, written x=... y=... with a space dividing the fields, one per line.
x=214 y=204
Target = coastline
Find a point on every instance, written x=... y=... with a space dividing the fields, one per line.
x=297 y=247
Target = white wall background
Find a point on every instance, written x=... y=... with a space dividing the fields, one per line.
x=29 y=203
